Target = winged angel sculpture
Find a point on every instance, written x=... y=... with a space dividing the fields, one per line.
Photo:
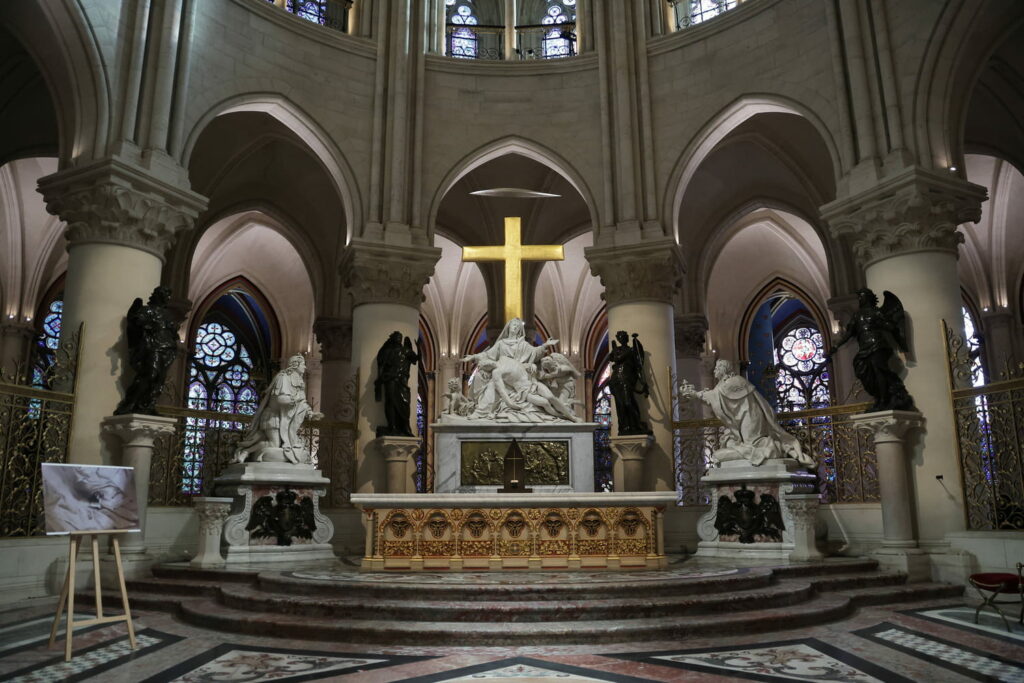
x=880 y=331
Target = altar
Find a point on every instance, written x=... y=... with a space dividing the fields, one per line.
x=509 y=531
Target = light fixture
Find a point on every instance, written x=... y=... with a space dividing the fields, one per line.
x=952 y=169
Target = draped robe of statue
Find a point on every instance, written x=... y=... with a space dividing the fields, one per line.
x=751 y=430
x=278 y=419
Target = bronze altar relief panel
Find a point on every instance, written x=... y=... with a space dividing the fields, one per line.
x=482 y=462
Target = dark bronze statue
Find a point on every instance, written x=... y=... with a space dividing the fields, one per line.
x=392 y=384
x=879 y=331
x=748 y=520
x=287 y=519
x=626 y=382
x=152 y=336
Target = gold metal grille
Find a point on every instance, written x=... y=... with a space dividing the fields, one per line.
x=847 y=467
x=990 y=439
x=35 y=425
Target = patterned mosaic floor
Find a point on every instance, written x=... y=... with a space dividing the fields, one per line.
x=934 y=642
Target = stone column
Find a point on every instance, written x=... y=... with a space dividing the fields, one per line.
x=335 y=338
x=628 y=467
x=843 y=308
x=211 y=512
x=398 y=452
x=691 y=338
x=640 y=282
x=386 y=284
x=15 y=344
x=899 y=545
x=120 y=222
x=903 y=232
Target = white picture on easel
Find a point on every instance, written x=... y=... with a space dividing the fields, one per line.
x=89 y=498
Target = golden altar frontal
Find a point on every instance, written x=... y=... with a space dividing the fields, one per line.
x=474 y=532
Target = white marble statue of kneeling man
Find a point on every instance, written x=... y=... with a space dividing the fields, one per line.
x=273 y=434
x=751 y=430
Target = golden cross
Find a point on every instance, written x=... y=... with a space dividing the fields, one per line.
x=513 y=253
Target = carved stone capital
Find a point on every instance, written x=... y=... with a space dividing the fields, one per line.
x=888 y=425
x=915 y=211
x=387 y=274
x=691 y=335
x=335 y=338
x=650 y=271
x=138 y=430
x=113 y=202
x=211 y=513
x=12 y=329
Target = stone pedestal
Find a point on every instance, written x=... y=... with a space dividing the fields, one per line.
x=211 y=512
x=450 y=437
x=628 y=466
x=398 y=453
x=782 y=479
x=259 y=486
x=136 y=434
x=899 y=544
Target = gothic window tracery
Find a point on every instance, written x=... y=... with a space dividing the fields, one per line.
x=602 y=415
x=230 y=364
x=692 y=12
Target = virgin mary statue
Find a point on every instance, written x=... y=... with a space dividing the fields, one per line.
x=511 y=390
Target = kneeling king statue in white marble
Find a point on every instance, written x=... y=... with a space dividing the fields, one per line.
x=273 y=435
x=751 y=430
x=510 y=385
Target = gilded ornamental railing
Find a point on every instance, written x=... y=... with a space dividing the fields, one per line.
x=989 y=437
x=847 y=468
x=35 y=426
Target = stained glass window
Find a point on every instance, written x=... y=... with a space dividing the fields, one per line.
x=47 y=342
x=230 y=364
x=802 y=381
x=559 y=41
x=330 y=13
x=602 y=434
x=973 y=348
x=462 y=40
x=691 y=12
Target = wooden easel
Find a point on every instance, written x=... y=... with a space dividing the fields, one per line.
x=67 y=593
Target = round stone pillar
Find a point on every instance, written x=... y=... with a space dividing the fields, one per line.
x=904 y=234
x=120 y=222
x=15 y=344
x=386 y=283
x=136 y=435
x=640 y=282
x=335 y=338
x=691 y=338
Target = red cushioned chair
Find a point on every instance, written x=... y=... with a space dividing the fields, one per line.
x=996 y=584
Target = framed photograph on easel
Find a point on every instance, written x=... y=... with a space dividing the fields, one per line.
x=94 y=501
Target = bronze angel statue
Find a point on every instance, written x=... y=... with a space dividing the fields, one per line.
x=626 y=382
x=880 y=331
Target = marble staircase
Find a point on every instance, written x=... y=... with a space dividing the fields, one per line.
x=521 y=609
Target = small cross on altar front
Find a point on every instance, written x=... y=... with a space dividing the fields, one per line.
x=513 y=253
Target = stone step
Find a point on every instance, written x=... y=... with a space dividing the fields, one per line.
x=427 y=608
x=908 y=592
x=832 y=565
x=854 y=580
x=182 y=571
x=187 y=587
x=211 y=614
x=516 y=587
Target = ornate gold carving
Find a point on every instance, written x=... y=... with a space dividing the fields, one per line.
x=591 y=523
x=515 y=523
x=399 y=524
x=553 y=523
x=476 y=524
x=630 y=521
x=437 y=524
